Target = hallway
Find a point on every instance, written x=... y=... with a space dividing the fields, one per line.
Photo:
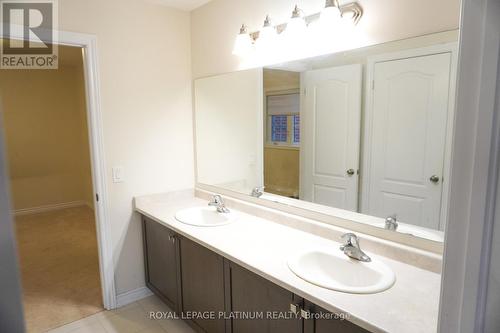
x=59 y=267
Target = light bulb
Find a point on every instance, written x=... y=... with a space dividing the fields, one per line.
x=293 y=41
x=330 y=18
x=243 y=43
x=348 y=20
x=296 y=28
x=267 y=36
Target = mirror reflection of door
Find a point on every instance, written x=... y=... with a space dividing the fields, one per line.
x=331 y=120
x=408 y=138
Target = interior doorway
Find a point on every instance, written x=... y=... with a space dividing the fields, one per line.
x=50 y=170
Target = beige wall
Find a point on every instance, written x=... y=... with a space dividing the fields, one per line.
x=46 y=136
x=145 y=87
x=279 y=80
x=215 y=25
x=281 y=171
x=144 y=64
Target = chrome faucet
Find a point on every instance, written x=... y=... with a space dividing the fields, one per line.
x=391 y=223
x=218 y=202
x=351 y=248
x=257 y=192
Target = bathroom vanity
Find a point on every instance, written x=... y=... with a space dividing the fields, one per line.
x=336 y=173
x=191 y=278
x=241 y=268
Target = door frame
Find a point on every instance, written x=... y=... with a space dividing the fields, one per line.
x=88 y=43
x=475 y=173
x=367 y=125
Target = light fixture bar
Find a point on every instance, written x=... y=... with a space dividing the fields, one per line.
x=353 y=7
x=332 y=3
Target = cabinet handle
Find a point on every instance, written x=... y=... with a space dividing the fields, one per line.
x=295 y=309
x=172 y=238
x=306 y=314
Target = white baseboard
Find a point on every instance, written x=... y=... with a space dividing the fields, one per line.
x=48 y=208
x=132 y=296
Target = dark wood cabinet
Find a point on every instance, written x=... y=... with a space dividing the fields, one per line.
x=161 y=254
x=321 y=321
x=267 y=304
x=202 y=286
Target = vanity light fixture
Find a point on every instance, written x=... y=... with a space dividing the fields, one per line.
x=297 y=26
x=293 y=39
x=267 y=36
x=243 y=44
x=351 y=13
x=333 y=15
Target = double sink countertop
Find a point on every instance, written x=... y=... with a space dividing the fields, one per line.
x=264 y=247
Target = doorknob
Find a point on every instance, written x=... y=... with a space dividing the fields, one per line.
x=434 y=179
x=351 y=172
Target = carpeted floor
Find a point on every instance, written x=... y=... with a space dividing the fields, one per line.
x=59 y=267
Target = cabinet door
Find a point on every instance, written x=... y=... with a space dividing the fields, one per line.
x=252 y=294
x=161 y=252
x=322 y=321
x=202 y=285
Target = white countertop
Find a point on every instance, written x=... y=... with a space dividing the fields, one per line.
x=263 y=247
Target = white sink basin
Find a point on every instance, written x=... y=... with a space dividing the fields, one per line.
x=335 y=271
x=204 y=217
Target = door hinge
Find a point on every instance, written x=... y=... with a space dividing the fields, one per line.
x=96 y=197
x=373 y=84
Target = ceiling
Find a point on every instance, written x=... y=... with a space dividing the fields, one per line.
x=187 y=5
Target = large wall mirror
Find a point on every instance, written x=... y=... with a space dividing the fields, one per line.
x=366 y=131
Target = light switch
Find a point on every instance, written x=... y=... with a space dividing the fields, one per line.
x=118 y=174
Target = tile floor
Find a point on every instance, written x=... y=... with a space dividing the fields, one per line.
x=133 y=318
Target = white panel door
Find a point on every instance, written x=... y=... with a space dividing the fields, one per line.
x=330 y=136
x=410 y=106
